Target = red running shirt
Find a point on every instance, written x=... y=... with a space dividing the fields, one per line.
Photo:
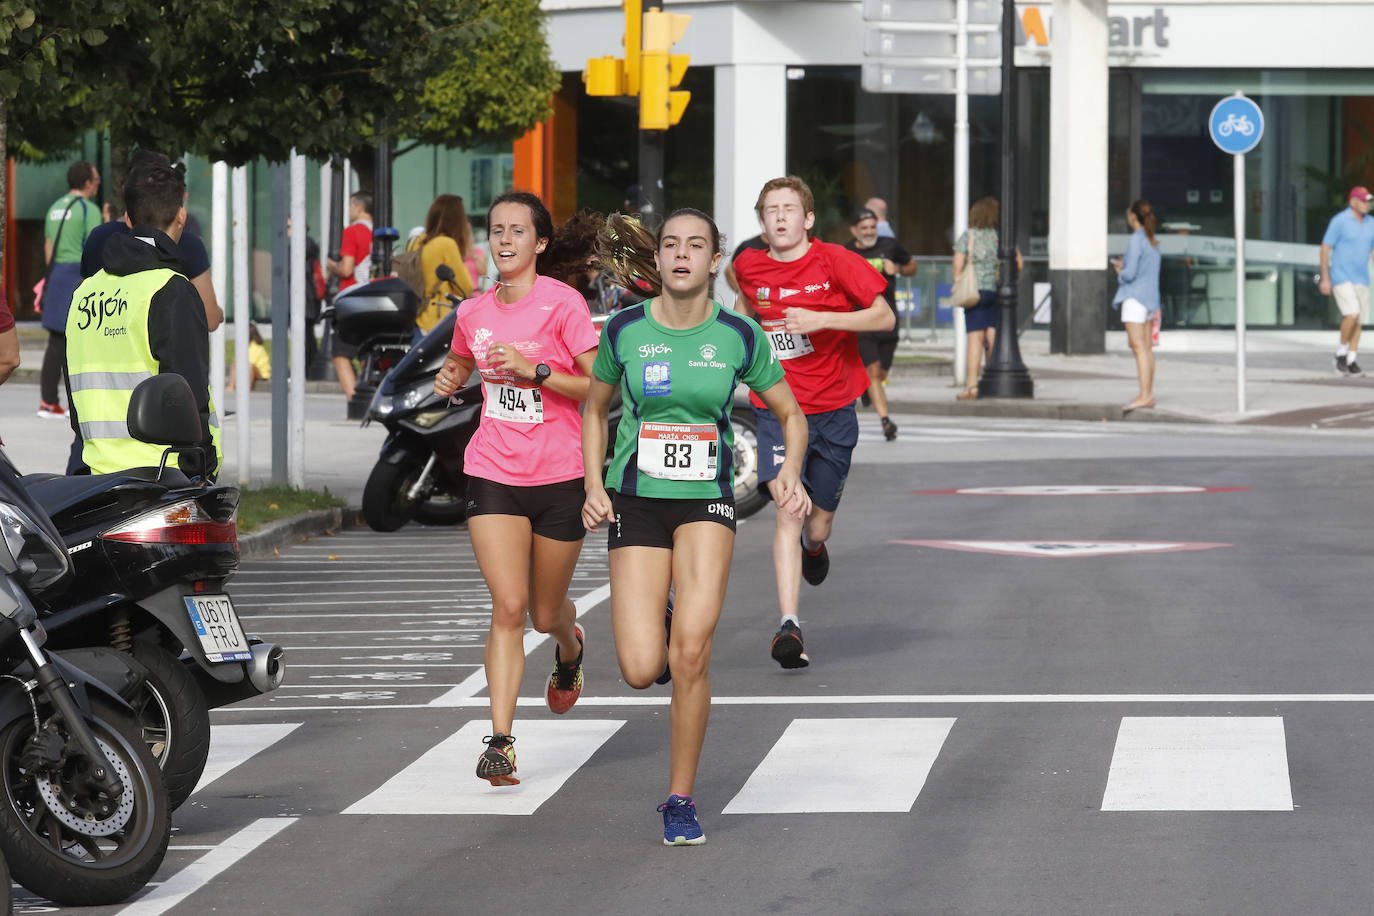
x=823 y=369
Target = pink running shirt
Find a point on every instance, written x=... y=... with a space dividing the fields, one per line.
x=528 y=437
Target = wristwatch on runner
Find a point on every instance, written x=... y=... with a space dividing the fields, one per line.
x=541 y=373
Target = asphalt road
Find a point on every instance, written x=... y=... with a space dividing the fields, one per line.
x=1183 y=727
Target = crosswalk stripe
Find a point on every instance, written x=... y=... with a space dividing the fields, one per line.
x=811 y=769
x=1199 y=763
x=231 y=745
x=549 y=751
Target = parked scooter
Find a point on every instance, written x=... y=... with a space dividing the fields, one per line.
x=84 y=816
x=152 y=550
x=419 y=475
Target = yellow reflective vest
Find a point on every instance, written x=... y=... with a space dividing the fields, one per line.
x=108 y=354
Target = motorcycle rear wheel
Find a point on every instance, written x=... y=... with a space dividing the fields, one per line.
x=746 y=462
x=49 y=851
x=175 y=720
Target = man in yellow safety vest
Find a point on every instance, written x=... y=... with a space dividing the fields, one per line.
x=139 y=317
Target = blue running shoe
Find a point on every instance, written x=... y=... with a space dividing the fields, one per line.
x=680 y=827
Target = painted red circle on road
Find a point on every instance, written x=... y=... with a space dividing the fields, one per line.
x=1080 y=490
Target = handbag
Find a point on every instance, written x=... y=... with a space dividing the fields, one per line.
x=965 y=293
x=41 y=286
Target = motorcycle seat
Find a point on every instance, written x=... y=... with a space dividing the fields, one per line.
x=56 y=493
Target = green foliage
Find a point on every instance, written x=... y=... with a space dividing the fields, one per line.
x=40 y=79
x=495 y=89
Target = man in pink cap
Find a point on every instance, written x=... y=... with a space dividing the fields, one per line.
x=1346 y=248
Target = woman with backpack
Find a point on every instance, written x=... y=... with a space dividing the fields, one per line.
x=441 y=243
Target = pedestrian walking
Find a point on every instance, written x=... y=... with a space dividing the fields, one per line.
x=70 y=221
x=1346 y=248
x=976 y=249
x=812 y=298
x=1137 y=296
x=877 y=348
x=676 y=359
x=441 y=244
x=353 y=267
x=532 y=341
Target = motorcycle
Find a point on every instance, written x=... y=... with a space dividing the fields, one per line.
x=419 y=474
x=152 y=550
x=84 y=816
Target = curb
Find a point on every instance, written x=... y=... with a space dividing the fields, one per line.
x=265 y=541
x=1039 y=410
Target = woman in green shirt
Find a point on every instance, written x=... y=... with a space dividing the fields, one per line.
x=677 y=359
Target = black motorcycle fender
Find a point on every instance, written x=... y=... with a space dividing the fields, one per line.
x=14 y=704
x=170 y=610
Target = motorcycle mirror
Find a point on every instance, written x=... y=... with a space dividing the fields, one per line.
x=444 y=272
x=163 y=411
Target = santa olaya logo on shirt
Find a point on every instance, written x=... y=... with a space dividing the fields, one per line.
x=708 y=351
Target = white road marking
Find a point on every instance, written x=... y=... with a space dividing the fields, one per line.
x=369 y=615
x=231 y=745
x=1062 y=549
x=808 y=770
x=1199 y=763
x=551 y=751
x=356 y=602
x=202 y=871
x=477 y=681
x=953 y=699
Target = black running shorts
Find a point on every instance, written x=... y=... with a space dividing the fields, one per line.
x=877 y=348
x=554 y=509
x=642 y=521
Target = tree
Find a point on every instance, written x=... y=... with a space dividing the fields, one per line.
x=37 y=50
x=495 y=91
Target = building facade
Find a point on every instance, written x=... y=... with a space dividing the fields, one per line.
x=776 y=89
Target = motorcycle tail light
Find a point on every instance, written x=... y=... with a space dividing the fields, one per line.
x=181 y=523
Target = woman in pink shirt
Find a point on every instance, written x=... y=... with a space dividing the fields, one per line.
x=532 y=340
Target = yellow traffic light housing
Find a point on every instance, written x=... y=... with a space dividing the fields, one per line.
x=660 y=105
x=605 y=76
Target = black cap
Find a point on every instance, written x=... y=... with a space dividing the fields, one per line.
x=862 y=214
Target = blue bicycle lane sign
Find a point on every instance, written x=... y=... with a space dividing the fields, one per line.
x=1236 y=124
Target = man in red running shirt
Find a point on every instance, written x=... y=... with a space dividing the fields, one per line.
x=812 y=298
x=353 y=267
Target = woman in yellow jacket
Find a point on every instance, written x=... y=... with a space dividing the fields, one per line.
x=441 y=244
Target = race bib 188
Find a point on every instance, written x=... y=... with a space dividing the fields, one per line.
x=783 y=344
x=679 y=451
x=506 y=401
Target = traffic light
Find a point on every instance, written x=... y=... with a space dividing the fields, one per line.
x=613 y=75
x=661 y=106
x=604 y=76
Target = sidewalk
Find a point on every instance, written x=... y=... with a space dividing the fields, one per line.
x=1290 y=380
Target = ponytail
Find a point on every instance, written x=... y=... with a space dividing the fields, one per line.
x=626 y=249
x=1142 y=211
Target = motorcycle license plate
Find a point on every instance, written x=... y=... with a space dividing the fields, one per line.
x=218 y=627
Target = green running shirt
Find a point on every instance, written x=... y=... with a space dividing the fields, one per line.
x=674 y=440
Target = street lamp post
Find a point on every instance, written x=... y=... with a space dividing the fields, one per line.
x=1006 y=375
